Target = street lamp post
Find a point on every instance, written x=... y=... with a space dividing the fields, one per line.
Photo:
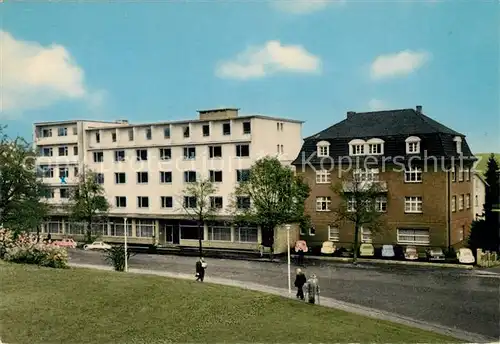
x=125 y=232
x=289 y=263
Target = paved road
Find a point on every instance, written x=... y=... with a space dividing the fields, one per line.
x=454 y=298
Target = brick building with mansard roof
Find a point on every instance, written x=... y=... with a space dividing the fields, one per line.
x=422 y=166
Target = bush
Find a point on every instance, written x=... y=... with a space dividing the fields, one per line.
x=116 y=257
x=450 y=254
x=27 y=250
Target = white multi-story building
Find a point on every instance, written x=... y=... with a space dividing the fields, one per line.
x=145 y=168
x=479 y=194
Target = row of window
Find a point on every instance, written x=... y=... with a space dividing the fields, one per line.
x=375 y=146
x=189 y=153
x=62 y=131
x=146 y=229
x=463 y=202
x=463 y=174
x=413 y=204
x=186 y=131
x=412 y=175
x=62 y=151
x=405 y=236
x=189 y=202
x=165 y=177
x=167 y=202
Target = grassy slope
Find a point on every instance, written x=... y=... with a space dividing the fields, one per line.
x=39 y=305
x=481 y=165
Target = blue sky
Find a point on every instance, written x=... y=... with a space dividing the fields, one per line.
x=157 y=61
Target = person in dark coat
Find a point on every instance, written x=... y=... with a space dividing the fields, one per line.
x=300 y=254
x=300 y=280
x=200 y=269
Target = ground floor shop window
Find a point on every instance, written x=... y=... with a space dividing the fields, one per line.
x=100 y=228
x=333 y=233
x=54 y=227
x=247 y=234
x=219 y=233
x=413 y=236
x=117 y=228
x=144 y=228
x=190 y=232
x=75 y=228
x=366 y=235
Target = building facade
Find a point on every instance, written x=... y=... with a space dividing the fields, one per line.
x=422 y=168
x=479 y=195
x=144 y=169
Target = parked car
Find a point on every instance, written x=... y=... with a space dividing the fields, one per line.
x=465 y=256
x=328 y=247
x=435 y=253
x=70 y=243
x=366 y=250
x=97 y=245
x=388 y=251
x=301 y=244
x=411 y=253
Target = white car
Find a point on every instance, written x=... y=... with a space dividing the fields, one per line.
x=97 y=245
x=388 y=251
x=465 y=256
x=411 y=253
x=366 y=250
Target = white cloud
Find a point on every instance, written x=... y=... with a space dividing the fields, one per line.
x=272 y=57
x=303 y=6
x=35 y=76
x=399 y=64
x=376 y=104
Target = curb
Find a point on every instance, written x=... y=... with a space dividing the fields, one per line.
x=325 y=302
x=391 y=262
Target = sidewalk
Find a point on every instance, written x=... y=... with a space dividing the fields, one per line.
x=326 y=302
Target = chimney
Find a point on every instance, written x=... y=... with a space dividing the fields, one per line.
x=419 y=108
x=350 y=114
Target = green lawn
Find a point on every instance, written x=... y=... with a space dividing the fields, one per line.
x=482 y=163
x=41 y=305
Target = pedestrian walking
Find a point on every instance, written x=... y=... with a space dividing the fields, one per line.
x=312 y=289
x=300 y=254
x=300 y=280
x=201 y=265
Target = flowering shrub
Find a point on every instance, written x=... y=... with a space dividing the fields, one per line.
x=6 y=241
x=25 y=249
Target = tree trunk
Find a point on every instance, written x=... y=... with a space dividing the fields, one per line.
x=200 y=235
x=89 y=231
x=356 y=244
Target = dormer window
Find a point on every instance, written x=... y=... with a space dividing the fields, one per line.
x=323 y=148
x=357 y=147
x=412 y=145
x=375 y=146
x=458 y=143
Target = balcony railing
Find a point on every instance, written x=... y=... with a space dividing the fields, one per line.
x=375 y=185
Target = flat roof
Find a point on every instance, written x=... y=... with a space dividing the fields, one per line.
x=197 y=121
x=218 y=110
x=71 y=122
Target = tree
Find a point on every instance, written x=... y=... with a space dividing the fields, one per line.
x=196 y=203
x=88 y=202
x=478 y=236
x=21 y=188
x=358 y=206
x=492 y=203
x=276 y=197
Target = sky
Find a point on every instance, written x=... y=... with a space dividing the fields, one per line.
x=307 y=60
